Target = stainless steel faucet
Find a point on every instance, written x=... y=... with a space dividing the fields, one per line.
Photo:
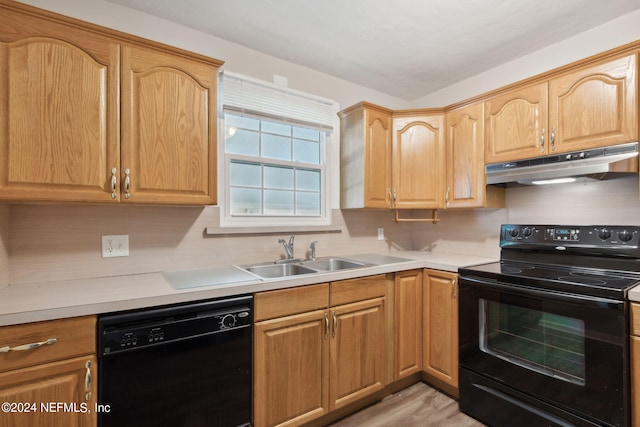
x=288 y=247
x=313 y=250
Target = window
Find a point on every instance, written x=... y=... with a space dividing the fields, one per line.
x=275 y=169
x=275 y=155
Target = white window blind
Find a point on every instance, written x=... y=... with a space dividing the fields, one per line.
x=244 y=94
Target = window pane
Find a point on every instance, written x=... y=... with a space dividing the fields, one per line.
x=246 y=174
x=243 y=142
x=275 y=177
x=306 y=151
x=307 y=180
x=276 y=128
x=246 y=201
x=278 y=202
x=308 y=204
x=231 y=120
x=276 y=147
x=306 y=133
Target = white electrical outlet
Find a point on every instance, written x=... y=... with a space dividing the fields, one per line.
x=380 y=233
x=113 y=246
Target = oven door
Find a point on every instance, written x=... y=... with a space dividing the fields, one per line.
x=568 y=351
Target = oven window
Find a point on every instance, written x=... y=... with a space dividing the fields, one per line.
x=544 y=342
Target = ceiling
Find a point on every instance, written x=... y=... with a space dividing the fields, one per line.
x=404 y=48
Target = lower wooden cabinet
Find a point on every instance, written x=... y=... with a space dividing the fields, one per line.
x=407 y=323
x=318 y=348
x=635 y=364
x=51 y=384
x=440 y=334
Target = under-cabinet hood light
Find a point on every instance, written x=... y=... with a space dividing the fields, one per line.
x=553 y=181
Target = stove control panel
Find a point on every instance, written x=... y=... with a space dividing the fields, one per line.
x=564 y=237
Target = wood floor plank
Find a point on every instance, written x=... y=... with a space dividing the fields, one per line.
x=418 y=405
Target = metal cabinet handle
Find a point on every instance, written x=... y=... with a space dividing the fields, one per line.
x=395 y=198
x=390 y=197
x=446 y=197
x=87 y=381
x=454 y=294
x=326 y=325
x=29 y=346
x=114 y=183
x=335 y=324
x=542 y=141
x=552 y=138
x=127 y=183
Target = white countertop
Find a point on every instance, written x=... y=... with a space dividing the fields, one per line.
x=25 y=303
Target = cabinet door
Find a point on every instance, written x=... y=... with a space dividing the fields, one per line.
x=168 y=128
x=291 y=369
x=377 y=179
x=59 y=119
x=418 y=162
x=635 y=380
x=465 y=157
x=358 y=352
x=408 y=323
x=440 y=352
x=594 y=107
x=516 y=124
x=69 y=382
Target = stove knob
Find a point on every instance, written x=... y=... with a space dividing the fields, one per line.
x=625 y=236
x=527 y=232
x=513 y=232
x=604 y=234
x=228 y=321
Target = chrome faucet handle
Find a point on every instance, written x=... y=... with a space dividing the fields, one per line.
x=313 y=250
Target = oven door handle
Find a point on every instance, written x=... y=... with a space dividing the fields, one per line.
x=491 y=284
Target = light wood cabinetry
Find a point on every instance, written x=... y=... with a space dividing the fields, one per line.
x=408 y=323
x=70 y=86
x=418 y=160
x=59 y=135
x=440 y=339
x=61 y=372
x=312 y=356
x=391 y=159
x=466 y=182
x=635 y=364
x=365 y=153
x=592 y=106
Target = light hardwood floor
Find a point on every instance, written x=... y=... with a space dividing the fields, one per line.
x=418 y=405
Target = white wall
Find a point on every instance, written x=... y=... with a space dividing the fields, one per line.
x=618 y=32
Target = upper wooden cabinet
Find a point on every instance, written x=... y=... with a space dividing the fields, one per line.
x=466 y=182
x=168 y=128
x=365 y=153
x=593 y=106
x=60 y=136
x=418 y=160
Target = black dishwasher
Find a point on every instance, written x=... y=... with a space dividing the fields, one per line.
x=182 y=365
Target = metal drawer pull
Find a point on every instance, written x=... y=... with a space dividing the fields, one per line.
x=335 y=324
x=127 y=183
x=114 y=183
x=326 y=325
x=33 y=345
x=87 y=381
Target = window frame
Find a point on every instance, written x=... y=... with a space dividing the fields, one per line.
x=227 y=219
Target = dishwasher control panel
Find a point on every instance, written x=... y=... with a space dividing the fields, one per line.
x=129 y=331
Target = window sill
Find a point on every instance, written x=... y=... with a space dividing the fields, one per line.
x=244 y=231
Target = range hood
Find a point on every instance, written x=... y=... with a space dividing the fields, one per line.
x=595 y=163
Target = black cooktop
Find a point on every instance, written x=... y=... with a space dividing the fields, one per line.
x=598 y=261
x=583 y=281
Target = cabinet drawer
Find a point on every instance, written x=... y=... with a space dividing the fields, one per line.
x=74 y=337
x=635 y=319
x=285 y=302
x=352 y=290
